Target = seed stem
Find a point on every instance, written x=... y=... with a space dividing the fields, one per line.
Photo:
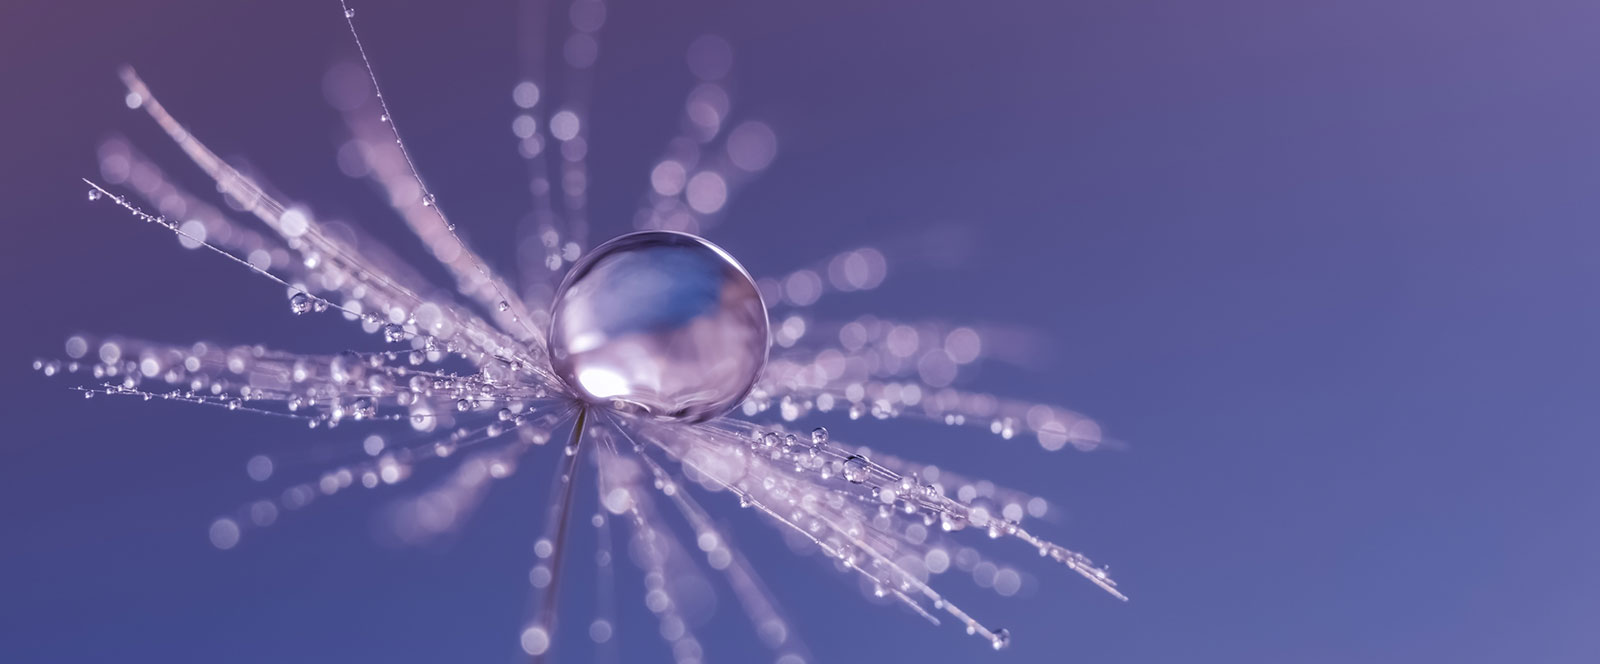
x=569 y=477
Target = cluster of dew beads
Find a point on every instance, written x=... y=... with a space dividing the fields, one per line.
x=660 y=323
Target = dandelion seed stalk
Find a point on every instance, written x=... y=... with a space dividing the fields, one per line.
x=657 y=345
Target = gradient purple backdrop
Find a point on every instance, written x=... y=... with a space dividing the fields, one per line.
x=1328 y=269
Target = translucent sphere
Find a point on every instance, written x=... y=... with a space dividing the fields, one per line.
x=662 y=323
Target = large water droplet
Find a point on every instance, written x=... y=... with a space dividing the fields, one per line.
x=300 y=303
x=662 y=322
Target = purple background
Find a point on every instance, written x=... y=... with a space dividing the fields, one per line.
x=1328 y=269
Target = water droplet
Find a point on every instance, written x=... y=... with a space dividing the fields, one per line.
x=349 y=13
x=661 y=322
x=393 y=333
x=383 y=118
x=429 y=200
x=463 y=405
x=363 y=408
x=504 y=414
x=300 y=303
x=504 y=305
x=234 y=404
x=95 y=194
x=1001 y=639
x=819 y=436
x=856 y=470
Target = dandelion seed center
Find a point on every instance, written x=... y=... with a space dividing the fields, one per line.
x=662 y=323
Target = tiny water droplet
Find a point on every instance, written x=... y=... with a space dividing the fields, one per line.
x=95 y=194
x=383 y=118
x=856 y=470
x=463 y=405
x=504 y=414
x=429 y=200
x=349 y=13
x=393 y=333
x=819 y=436
x=504 y=305
x=1002 y=638
x=234 y=404
x=300 y=303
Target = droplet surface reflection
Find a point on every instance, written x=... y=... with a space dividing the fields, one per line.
x=662 y=322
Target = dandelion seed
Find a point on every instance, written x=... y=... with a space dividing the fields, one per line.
x=653 y=339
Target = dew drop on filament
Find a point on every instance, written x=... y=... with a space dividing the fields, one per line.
x=662 y=323
x=856 y=470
